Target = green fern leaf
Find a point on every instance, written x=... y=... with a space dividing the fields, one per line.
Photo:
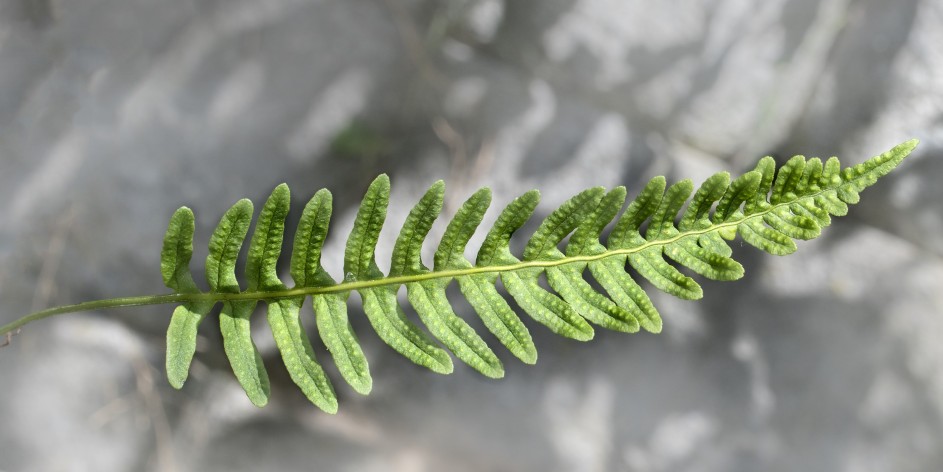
x=592 y=305
x=648 y=260
x=480 y=291
x=177 y=251
x=380 y=303
x=568 y=280
x=330 y=309
x=234 y=319
x=175 y=268
x=543 y=306
x=769 y=208
x=707 y=256
x=428 y=297
x=610 y=272
x=284 y=314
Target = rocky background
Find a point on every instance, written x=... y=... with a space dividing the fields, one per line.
x=115 y=112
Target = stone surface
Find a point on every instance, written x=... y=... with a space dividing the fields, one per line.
x=113 y=113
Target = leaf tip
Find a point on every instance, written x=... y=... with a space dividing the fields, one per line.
x=496 y=372
x=484 y=193
x=651 y=325
x=382 y=180
x=259 y=399
x=586 y=334
x=175 y=378
x=282 y=190
x=905 y=148
x=363 y=386
x=654 y=329
x=244 y=205
x=329 y=406
x=529 y=357
x=620 y=191
x=183 y=212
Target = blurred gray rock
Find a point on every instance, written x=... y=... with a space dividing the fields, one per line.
x=114 y=113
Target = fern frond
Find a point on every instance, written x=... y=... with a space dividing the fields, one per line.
x=769 y=208
x=663 y=229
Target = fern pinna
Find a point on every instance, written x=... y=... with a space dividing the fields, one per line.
x=768 y=207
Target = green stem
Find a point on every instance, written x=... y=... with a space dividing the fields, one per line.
x=93 y=305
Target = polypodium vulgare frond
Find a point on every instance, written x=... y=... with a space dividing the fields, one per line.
x=769 y=208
